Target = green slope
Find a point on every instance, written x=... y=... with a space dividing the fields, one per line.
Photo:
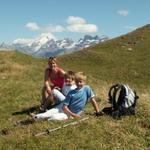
x=21 y=79
x=124 y=59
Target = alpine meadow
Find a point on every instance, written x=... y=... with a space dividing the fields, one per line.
x=125 y=59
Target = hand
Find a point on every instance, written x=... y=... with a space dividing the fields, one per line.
x=76 y=116
x=56 y=87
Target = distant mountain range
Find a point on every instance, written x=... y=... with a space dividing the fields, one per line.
x=45 y=47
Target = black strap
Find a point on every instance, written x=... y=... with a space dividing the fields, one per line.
x=136 y=97
x=112 y=95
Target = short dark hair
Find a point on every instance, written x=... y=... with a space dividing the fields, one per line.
x=52 y=58
x=70 y=74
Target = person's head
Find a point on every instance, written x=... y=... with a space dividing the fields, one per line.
x=52 y=62
x=80 y=79
x=70 y=78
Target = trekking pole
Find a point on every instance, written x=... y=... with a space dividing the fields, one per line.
x=60 y=127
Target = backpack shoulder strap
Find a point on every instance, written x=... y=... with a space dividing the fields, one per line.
x=112 y=95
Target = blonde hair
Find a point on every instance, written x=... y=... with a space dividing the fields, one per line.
x=80 y=76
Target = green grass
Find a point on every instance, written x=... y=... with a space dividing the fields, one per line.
x=21 y=80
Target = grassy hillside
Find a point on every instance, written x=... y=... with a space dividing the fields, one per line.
x=125 y=59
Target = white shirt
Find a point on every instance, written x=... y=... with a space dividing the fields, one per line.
x=66 y=89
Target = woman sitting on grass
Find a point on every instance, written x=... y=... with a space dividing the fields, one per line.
x=54 y=78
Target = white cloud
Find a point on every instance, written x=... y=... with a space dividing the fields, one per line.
x=78 y=24
x=75 y=20
x=56 y=28
x=75 y=24
x=50 y=28
x=82 y=28
x=32 y=26
x=123 y=12
x=130 y=27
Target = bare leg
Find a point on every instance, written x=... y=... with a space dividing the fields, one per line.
x=47 y=100
x=44 y=95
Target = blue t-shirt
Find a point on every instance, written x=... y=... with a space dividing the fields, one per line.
x=77 y=99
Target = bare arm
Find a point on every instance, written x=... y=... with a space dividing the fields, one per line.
x=46 y=81
x=67 y=110
x=62 y=72
x=95 y=105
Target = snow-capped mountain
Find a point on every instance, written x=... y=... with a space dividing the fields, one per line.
x=44 y=46
x=4 y=46
x=88 y=40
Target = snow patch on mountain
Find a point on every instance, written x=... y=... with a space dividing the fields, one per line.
x=45 y=46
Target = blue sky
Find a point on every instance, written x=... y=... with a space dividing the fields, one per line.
x=28 y=19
